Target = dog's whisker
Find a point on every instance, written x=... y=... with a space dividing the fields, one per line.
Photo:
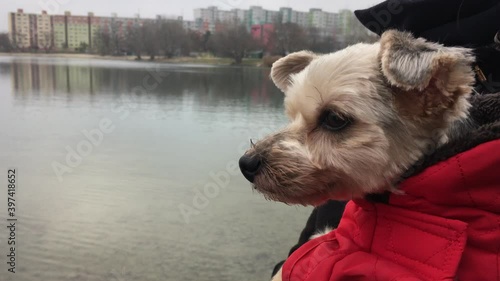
x=252 y=144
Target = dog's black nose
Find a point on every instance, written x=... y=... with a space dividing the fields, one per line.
x=249 y=166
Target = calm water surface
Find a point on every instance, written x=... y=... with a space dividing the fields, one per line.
x=150 y=199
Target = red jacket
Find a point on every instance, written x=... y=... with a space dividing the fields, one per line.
x=446 y=227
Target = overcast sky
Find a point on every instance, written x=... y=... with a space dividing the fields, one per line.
x=151 y=8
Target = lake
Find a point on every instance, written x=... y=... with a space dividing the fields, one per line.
x=127 y=171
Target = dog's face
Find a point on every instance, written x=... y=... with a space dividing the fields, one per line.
x=358 y=118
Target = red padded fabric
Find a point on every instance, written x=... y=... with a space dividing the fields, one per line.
x=446 y=227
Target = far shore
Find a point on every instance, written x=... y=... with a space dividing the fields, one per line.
x=178 y=60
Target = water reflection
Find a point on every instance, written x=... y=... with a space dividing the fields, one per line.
x=115 y=216
x=204 y=86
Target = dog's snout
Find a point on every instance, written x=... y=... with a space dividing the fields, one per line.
x=250 y=166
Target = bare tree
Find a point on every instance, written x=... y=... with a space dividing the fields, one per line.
x=47 y=41
x=103 y=42
x=151 y=43
x=287 y=37
x=173 y=37
x=360 y=34
x=17 y=39
x=5 y=44
x=194 y=41
x=326 y=44
x=355 y=33
x=83 y=47
x=206 y=40
x=115 y=37
x=234 y=41
x=135 y=40
x=320 y=41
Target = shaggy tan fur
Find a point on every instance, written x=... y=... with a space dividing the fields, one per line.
x=291 y=64
x=401 y=95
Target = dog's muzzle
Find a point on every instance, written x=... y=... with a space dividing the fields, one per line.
x=250 y=166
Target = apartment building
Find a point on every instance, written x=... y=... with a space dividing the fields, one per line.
x=242 y=15
x=21 y=29
x=59 y=31
x=44 y=31
x=302 y=18
x=209 y=14
x=43 y=36
x=208 y=19
x=272 y=16
x=69 y=32
x=324 y=22
x=343 y=22
x=257 y=15
x=225 y=16
x=192 y=25
x=77 y=30
x=286 y=14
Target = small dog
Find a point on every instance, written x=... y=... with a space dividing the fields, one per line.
x=359 y=118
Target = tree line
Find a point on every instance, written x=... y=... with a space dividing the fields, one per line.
x=153 y=38
x=5 y=43
x=169 y=38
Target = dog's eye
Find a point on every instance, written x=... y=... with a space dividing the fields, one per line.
x=334 y=122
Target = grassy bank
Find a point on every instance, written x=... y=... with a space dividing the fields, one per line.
x=179 y=60
x=213 y=61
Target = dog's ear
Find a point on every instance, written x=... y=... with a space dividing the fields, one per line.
x=293 y=63
x=411 y=63
x=428 y=77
